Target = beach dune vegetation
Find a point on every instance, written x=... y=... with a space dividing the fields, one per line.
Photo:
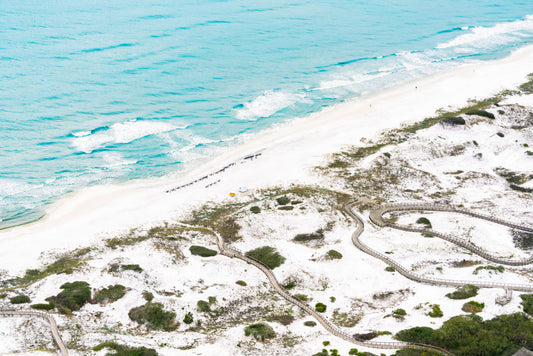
x=260 y=332
x=73 y=296
x=267 y=255
x=202 y=251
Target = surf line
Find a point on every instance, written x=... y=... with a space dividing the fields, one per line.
x=242 y=160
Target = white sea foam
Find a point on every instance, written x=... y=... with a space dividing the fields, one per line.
x=123 y=132
x=351 y=80
x=498 y=34
x=266 y=105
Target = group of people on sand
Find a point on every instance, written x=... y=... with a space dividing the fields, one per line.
x=212 y=174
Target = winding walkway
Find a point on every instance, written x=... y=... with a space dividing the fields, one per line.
x=331 y=328
x=376 y=216
x=49 y=318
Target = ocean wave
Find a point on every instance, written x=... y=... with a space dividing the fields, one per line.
x=498 y=34
x=123 y=132
x=350 y=80
x=265 y=105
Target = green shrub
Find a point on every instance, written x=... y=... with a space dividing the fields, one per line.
x=203 y=306
x=3 y=295
x=302 y=297
x=320 y=307
x=481 y=113
x=267 y=255
x=42 y=306
x=153 y=315
x=286 y=207
x=390 y=269
x=148 y=296
x=527 y=303
x=188 y=318
x=72 y=297
x=333 y=255
x=314 y=236
x=325 y=343
x=255 y=209
x=283 y=319
x=452 y=121
x=424 y=221
x=202 y=251
x=469 y=335
x=110 y=294
x=134 y=268
x=399 y=313
x=529 y=153
x=290 y=284
x=310 y=323
x=283 y=200
x=435 y=311
x=489 y=268
x=19 y=299
x=520 y=189
x=500 y=134
x=260 y=331
x=464 y=292
x=241 y=283
x=473 y=307
x=122 y=350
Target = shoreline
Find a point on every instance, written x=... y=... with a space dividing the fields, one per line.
x=85 y=216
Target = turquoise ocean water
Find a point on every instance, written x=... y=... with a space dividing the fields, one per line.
x=109 y=91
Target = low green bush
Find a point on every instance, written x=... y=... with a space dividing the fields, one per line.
x=473 y=307
x=134 y=268
x=255 y=209
x=483 y=113
x=464 y=292
x=527 y=303
x=435 y=311
x=154 y=317
x=267 y=255
x=399 y=313
x=333 y=255
x=302 y=297
x=42 y=306
x=122 y=350
x=147 y=296
x=20 y=299
x=500 y=134
x=283 y=200
x=110 y=294
x=469 y=335
x=320 y=307
x=390 y=269
x=72 y=297
x=489 y=268
x=260 y=331
x=313 y=236
x=188 y=318
x=310 y=323
x=202 y=251
x=203 y=306
x=286 y=207
x=424 y=221
x=520 y=189
x=452 y=121
x=241 y=283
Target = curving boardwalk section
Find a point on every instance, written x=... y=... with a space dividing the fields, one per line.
x=376 y=216
x=49 y=318
x=334 y=330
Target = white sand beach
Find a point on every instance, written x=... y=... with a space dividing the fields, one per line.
x=289 y=152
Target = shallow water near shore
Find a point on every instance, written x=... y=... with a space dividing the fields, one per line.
x=110 y=92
